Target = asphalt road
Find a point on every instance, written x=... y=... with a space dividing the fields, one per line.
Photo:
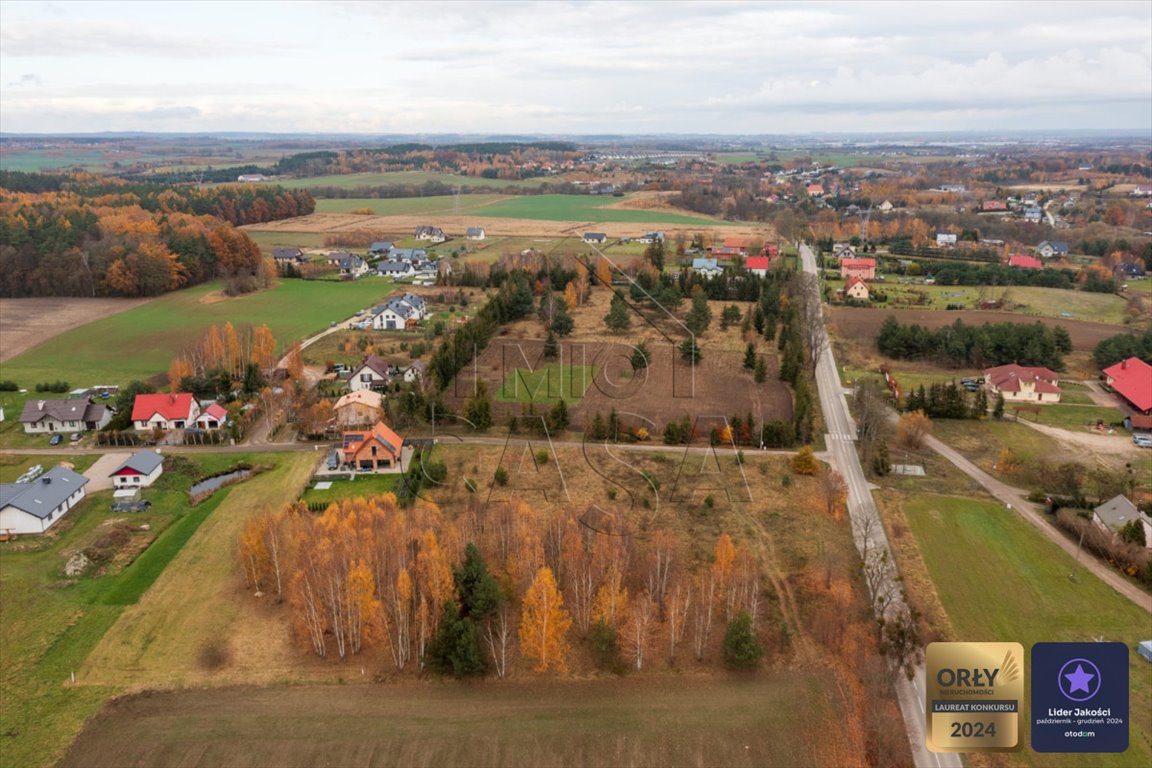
x=871 y=540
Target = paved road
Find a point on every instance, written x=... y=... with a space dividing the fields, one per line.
x=871 y=540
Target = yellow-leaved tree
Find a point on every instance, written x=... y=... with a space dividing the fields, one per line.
x=544 y=624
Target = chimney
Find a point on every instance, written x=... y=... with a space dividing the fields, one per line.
x=39 y=405
x=172 y=398
x=1124 y=364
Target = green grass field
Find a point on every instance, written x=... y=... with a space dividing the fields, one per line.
x=999 y=580
x=142 y=342
x=583 y=208
x=403 y=206
x=353 y=180
x=547 y=384
x=1073 y=417
x=366 y=485
x=52 y=161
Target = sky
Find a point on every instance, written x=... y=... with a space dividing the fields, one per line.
x=570 y=68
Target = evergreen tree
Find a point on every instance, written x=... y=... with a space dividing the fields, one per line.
x=761 y=373
x=478 y=408
x=700 y=316
x=758 y=319
x=690 y=350
x=562 y=322
x=521 y=301
x=655 y=254
x=558 y=416
x=750 y=357
x=998 y=408
x=475 y=586
x=551 y=348
x=613 y=425
x=618 y=319
x=640 y=356
x=980 y=404
x=730 y=316
x=742 y=650
x=598 y=430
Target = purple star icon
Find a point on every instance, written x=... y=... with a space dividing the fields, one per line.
x=1079 y=680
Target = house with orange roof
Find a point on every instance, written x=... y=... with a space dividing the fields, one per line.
x=378 y=448
x=856 y=289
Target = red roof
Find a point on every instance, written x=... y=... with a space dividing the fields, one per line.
x=858 y=263
x=771 y=249
x=1132 y=379
x=757 y=262
x=1009 y=377
x=815 y=189
x=853 y=280
x=381 y=433
x=214 y=411
x=171 y=407
x=735 y=242
x=1025 y=262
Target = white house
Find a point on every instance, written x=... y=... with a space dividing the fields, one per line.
x=707 y=268
x=396 y=269
x=945 y=240
x=373 y=373
x=212 y=417
x=139 y=471
x=431 y=234
x=1117 y=512
x=475 y=233
x=595 y=238
x=174 y=411
x=1023 y=384
x=414 y=372
x=35 y=506
x=73 y=415
x=1050 y=248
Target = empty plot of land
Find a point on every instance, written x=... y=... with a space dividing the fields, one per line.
x=772 y=719
x=24 y=323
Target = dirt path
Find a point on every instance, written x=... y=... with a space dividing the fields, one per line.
x=24 y=323
x=1118 y=445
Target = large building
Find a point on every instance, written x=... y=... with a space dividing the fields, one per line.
x=36 y=505
x=74 y=415
x=1018 y=383
x=1131 y=379
x=173 y=411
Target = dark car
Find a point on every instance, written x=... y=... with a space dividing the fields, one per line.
x=131 y=506
x=55 y=440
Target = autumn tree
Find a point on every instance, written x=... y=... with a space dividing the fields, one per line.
x=177 y=372
x=913 y=428
x=263 y=347
x=604 y=272
x=544 y=624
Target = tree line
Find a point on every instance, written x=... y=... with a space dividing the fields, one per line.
x=1123 y=346
x=992 y=344
x=471 y=595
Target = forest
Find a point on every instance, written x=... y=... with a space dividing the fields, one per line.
x=990 y=344
x=90 y=236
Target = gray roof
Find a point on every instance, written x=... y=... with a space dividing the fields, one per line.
x=595 y=236
x=39 y=497
x=380 y=246
x=473 y=231
x=77 y=409
x=1117 y=512
x=288 y=253
x=350 y=262
x=412 y=299
x=408 y=253
x=402 y=267
x=143 y=462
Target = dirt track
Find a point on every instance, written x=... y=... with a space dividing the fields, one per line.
x=24 y=323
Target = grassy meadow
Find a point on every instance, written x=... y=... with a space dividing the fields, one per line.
x=546 y=384
x=354 y=180
x=1000 y=581
x=142 y=341
x=583 y=208
x=404 y=206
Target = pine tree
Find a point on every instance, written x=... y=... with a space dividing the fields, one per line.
x=640 y=356
x=761 y=370
x=558 y=416
x=741 y=648
x=700 y=316
x=562 y=322
x=690 y=351
x=750 y=357
x=618 y=318
x=551 y=348
x=998 y=408
x=478 y=408
x=477 y=589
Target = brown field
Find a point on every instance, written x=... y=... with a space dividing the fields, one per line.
x=594 y=723
x=24 y=323
x=861 y=323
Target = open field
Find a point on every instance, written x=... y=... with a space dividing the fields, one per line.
x=546 y=384
x=354 y=180
x=860 y=323
x=999 y=581
x=142 y=341
x=24 y=323
x=595 y=723
x=365 y=485
x=585 y=208
x=269 y=240
x=403 y=206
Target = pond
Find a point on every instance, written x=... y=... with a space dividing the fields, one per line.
x=211 y=484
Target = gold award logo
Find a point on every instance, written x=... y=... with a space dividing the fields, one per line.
x=973 y=696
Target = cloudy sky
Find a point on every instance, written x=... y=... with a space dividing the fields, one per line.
x=574 y=67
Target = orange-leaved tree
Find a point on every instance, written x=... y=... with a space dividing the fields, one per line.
x=544 y=624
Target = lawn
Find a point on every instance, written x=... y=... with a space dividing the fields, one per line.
x=141 y=342
x=51 y=623
x=1073 y=417
x=404 y=206
x=354 y=180
x=999 y=580
x=366 y=485
x=546 y=384
x=590 y=208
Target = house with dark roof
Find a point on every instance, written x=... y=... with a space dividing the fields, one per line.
x=36 y=505
x=1019 y=383
x=164 y=411
x=140 y=470
x=651 y=237
x=396 y=268
x=408 y=254
x=430 y=233
x=373 y=373
x=595 y=238
x=73 y=415
x=1052 y=248
x=288 y=256
x=380 y=247
x=1118 y=512
x=352 y=267
x=475 y=233
x=1131 y=379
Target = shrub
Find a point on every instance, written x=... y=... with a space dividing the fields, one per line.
x=7 y=385
x=501 y=476
x=611 y=494
x=542 y=456
x=605 y=647
x=804 y=462
x=52 y=386
x=214 y=654
x=742 y=650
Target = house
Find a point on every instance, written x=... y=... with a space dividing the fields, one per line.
x=414 y=372
x=396 y=269
x=1048 y=249
x=335 y=257
x=288 y=256
x=36 y=505
x=1142 y=190
x=843 y=251
x=726 y=252
x=595 y=238
x=430 y=233
x=1025 y=262
x=173 y=411
x=212 y=417
x=408 y=254
x=1126 y=270
x=139 y=471
x=1033 y=214
x=474 y=233
x=1018 y=383
x=856 y=289
x=814 y=190
x=399 y=313
x=707 y=268
x=74 y=415
x=885 y=207
x=956 y=188
x=250 y=177
x=1118 y=512
x=945 y=240
x=380 y=248
x=993 y=206
x=771 y=250
x=864 y=268
x=651 y=237
x=373 y=373
x=362 y=406
x=757 y=265
x=377 y=449
x=1131 y=379
x=352 y=267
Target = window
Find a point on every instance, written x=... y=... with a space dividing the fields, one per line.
x=366 y=377
x=136 y=479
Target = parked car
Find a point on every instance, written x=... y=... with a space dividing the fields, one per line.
x=142 y=505
x=55 y=440
x=1144 y=441
x=76 y=437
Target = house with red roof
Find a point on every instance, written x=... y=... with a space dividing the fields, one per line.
x=757 y=265
x=1131 y=379
x=213 y=417
x=167 y=411
x=1025 y=262
x=138 y=471
x=1020 y=383
x=856 y=289
x=815 y=190
x=865 y=269
x=378 y=448
x=726 y=252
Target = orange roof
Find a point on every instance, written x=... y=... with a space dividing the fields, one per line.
x=381 y=434
x=858 y=263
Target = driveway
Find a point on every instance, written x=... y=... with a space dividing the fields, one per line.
x=98 y=473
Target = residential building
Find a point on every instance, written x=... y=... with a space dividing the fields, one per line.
x=885 y=207
x=595 y=238
x=1114 y=514
x=352 y=267
x=945 y=240
x=1131 y=379
x=955 y=188
x=73 y=415
x=430 y=233
x=757 y=265
x=1033 y=214
x=172 y=411
x=414 y=372
x=1025 y=262
x=651 y=237
x=1019 y=383
x=707 y=268
x=408 y=254
x=214 y=416
x=856 y=289
x=363 y=406
x=373 y=373
x=380 y=247
x=37 y=505
x=843 y=251
x=475 y=233
x=140 y=470
x=288 y=256
x=378 y=448
x=396 y=269
x=1049 y=249
x=864 y=268
x=997 y=206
